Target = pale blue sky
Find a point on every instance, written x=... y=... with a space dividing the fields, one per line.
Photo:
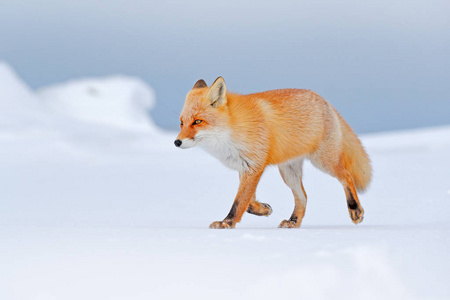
x=383 y=64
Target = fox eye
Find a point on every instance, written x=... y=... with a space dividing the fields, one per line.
x=196 y=122
x=181 y=123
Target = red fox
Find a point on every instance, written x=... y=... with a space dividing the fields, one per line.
x=279 y=127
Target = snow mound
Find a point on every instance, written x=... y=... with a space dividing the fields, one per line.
x=120 y=102
x=117 y=102
x=19 y=106
x=14 y=93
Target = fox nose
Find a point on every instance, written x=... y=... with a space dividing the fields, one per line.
x=177 y=143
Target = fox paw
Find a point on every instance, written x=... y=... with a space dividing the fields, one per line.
x=221 y=225
x=259 y=209
x=289 y=224
x=357 y=215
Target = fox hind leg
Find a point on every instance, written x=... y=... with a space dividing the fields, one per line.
x=355 y=209
x=339 y=171
x=291 y=173
x=326 y=160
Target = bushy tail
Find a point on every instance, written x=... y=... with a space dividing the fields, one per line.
x=355 y=158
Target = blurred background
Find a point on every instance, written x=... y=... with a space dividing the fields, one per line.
x=383 y=64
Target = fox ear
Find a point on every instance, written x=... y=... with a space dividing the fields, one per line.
x=200 y=84
x=217 y=94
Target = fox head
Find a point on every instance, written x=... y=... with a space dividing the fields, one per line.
x=205 y=111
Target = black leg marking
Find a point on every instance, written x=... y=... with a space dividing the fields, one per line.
x=229 y=222
x=250 y=210
x=351 y=203
x=232 y=212
x=293 y=218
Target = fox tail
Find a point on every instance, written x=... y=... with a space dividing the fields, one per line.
x=355 y=158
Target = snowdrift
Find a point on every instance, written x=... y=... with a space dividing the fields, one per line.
x=15 y=95
x=118 y=103
x=19 y=106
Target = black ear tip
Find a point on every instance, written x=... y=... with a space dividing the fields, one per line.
x=200 y=84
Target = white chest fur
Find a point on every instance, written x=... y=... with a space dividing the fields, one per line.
x=220 y=144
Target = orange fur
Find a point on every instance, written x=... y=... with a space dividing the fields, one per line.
x=249 y=132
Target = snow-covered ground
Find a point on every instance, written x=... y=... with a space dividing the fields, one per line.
x=112 y=210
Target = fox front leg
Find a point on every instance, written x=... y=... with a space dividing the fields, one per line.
x=247 y=188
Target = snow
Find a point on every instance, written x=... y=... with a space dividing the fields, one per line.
x=105 y=210
x=117 y=101
x=15 y=93
x=19 y=106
